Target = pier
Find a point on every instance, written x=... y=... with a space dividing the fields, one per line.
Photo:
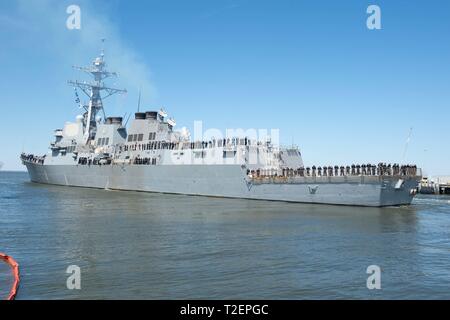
x=435 y=185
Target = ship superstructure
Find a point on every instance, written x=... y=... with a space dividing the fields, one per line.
x=100 y=152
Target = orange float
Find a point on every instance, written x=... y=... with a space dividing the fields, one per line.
x=15 y=269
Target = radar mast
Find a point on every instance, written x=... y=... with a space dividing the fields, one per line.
x=93 y=91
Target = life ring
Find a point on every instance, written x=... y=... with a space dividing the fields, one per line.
x=15 y=269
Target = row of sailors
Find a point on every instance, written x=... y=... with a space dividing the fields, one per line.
x=95 y=161
x=220 y=143
x=225 y=142
x=157 y=145
x=145 y=161
x=353 y=170
x=32 y=158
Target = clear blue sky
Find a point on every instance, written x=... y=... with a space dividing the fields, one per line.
x=342 y=93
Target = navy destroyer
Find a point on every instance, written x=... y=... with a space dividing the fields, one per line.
x=97 y=151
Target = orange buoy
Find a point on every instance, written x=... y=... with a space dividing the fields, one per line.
x=15 y=269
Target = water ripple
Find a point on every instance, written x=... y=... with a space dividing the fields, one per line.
x=152 y=246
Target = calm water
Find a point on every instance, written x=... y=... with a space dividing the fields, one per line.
x=139 y=245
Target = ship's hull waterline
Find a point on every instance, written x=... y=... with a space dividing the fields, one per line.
x=230 y=181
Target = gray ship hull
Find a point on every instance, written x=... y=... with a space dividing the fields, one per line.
x=230 y=181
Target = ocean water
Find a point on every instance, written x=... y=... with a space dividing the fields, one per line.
x=132 y=245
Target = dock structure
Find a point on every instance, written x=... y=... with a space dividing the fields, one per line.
x=443 y=184
x=435 y=185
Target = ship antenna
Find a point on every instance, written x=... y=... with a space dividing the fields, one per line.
x=127 y=120
x=139 y=99
x=406 y=144
x=102 y=53
x=93 y=91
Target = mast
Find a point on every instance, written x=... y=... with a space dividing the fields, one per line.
x=93 y=91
